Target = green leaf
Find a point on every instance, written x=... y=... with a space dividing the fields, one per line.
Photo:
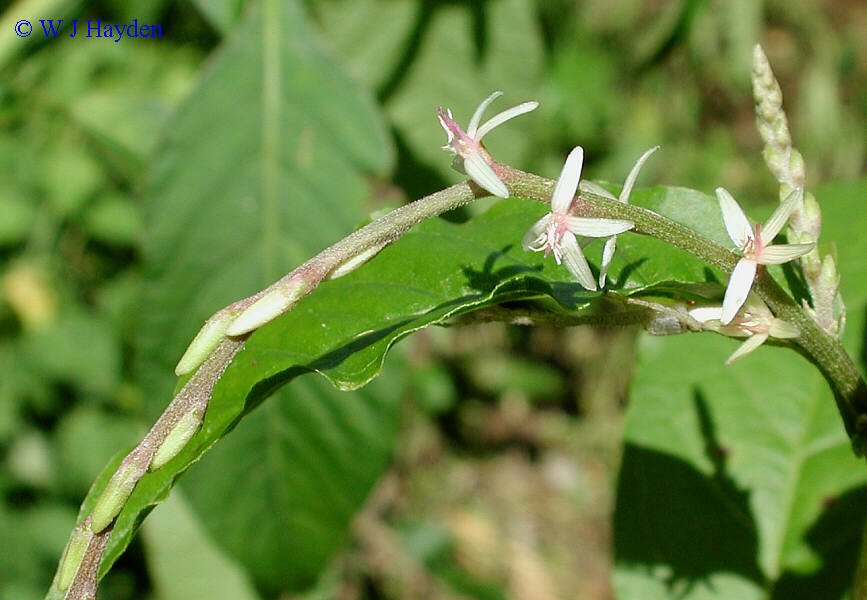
x=307 y=461
x=17 y=216
x=222 y=14
x=185 y=563
x=739 y=482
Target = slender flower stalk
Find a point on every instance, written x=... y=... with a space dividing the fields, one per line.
x=470 y=154
x=555 y=232
x=755 y=245
x=754 y=321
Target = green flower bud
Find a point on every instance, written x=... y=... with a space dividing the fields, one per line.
x=271 y=305
x=206 y=340
x=177 y=438
x=114 y=496
x=72 y=556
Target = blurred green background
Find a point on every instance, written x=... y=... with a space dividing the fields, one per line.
x=502 y=457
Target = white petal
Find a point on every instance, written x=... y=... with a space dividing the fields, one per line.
x=736 y=221
x=477 y=116
x=537 y=229
x=591 y=227
x=607 y=255
x=574 y=260
x=483 y=174
x=633 y=175
x=739 y=286
x=706 y=313
x=756 y=306
x=775 y=222
x=748 y=346
x=595 y=188
x=499 y=119
x=782 y=253
x=783 y=329
x=567 y=183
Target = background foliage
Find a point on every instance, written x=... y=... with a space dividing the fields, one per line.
x=147 y=183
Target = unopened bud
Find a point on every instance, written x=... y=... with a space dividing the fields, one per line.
x=356 y=261
x=797 y=169
x=829 y=278
x=73 y=555
x=177 y=438
x=206 y=340
x=270 y=306
x=812 y=216
x=114 y=496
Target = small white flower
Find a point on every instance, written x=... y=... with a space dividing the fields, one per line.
x=611 y=243
x=470 y=155
x=555 y=232
x=755 y=245
x=753 y=321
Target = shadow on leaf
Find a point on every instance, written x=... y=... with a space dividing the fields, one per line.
x=672 y=516
x=835 y=538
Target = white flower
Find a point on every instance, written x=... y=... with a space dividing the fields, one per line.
x=555 y=232
x=753 y=321
x=611 y=243
x=755 y=245
x=470 y=155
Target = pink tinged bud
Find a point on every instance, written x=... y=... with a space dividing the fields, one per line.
x=114 y=496
x=206 y=340
x=471 y=157
x=177 y=438
x=73 y=555
x=271 y=305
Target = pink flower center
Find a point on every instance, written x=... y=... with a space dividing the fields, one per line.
x=753 y=247
x=557 y=228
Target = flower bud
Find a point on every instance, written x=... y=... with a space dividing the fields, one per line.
x=206 y=340
x=73 y=555
x=271 y=305
x=114 y=496
x=177 y=438
x=356 y=261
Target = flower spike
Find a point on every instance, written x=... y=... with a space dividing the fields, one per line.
x=556 y=232
x=755 y=246
x=611 y=243
x=470 y=155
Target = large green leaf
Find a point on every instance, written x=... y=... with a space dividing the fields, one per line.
x=739 y=482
